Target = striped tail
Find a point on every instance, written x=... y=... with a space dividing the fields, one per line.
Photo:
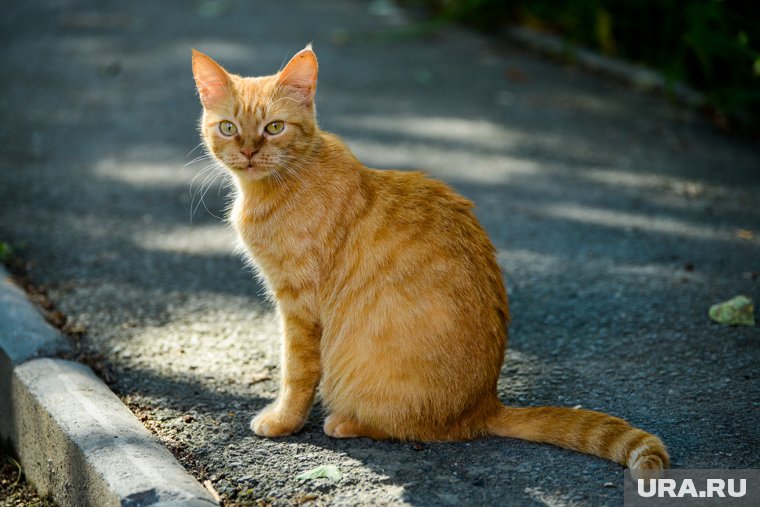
x=585 y=431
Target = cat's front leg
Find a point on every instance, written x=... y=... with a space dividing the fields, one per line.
x=300 y=364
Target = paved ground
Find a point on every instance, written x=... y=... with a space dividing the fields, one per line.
x=615 y=215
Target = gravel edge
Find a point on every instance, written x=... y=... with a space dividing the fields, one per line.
x=76 y=440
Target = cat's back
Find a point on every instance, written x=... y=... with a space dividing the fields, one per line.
x=408 y=198
x=411 y=233
x=425 y=213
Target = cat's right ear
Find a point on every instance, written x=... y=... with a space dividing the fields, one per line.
x=211 y=79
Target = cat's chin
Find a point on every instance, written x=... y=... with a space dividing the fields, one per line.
x=251 y=173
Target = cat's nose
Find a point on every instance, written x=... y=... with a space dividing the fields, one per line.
x=248 y=152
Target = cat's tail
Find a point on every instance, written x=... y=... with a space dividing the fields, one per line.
x=585 y=431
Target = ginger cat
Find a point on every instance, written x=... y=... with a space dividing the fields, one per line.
x=390 y=296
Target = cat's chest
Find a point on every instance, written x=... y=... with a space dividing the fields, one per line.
x=283 y=244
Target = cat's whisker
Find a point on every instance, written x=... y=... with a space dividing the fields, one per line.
x=213 y=182
x=206 y=186
x=203 y=172
x=294 y=165
x=210 y=171
x=291 y=170
x=205 y=156
x=196 y=147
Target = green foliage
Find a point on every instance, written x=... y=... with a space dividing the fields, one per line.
x=714 y=45
x=6 y=251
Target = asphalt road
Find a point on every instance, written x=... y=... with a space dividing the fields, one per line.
x=616 y=216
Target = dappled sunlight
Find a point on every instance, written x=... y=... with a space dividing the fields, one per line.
x=142 y=174
x=637 y=179
x=652 y=273
x=518 y=260
x=528 y=265
x=478 y=133
x=521 y=370
x=551 y=499
x=206 y=185
x=447 y=163
x=206 y=239
x=452 y=148
x=634 y=179
x=205 y=336
x=634 y=221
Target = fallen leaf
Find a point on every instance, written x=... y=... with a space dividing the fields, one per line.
x=745 y=234
x=322 y=471
x=210 y=488
x=737 y=311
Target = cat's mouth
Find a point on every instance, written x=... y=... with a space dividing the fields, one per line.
x=252 y=170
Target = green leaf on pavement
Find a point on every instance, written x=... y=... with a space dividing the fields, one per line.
x=327 y=471
x=737 y=311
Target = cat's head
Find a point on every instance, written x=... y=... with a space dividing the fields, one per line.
x=258 y=126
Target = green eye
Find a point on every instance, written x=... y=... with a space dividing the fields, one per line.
x=275 y=127
x=227 y=128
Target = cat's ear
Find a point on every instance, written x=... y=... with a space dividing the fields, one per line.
x=300 y=75
x=211 y=79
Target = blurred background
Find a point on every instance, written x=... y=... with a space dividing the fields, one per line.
x=713 y=45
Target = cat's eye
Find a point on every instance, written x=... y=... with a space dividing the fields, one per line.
x=227 y=128
x=275 y=127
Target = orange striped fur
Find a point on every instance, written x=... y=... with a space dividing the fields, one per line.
x=390 y=296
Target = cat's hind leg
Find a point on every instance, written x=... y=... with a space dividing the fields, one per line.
x=337 y=426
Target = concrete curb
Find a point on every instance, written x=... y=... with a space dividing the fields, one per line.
x=73 y=436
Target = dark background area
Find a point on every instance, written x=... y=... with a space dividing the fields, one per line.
x=714 y=45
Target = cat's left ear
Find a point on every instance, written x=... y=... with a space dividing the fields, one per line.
x=211 y=79
x=300 y=75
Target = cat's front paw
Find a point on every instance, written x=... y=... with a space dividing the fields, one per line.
x=274 y=422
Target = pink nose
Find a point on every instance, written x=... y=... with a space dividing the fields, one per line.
x=248 y=152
